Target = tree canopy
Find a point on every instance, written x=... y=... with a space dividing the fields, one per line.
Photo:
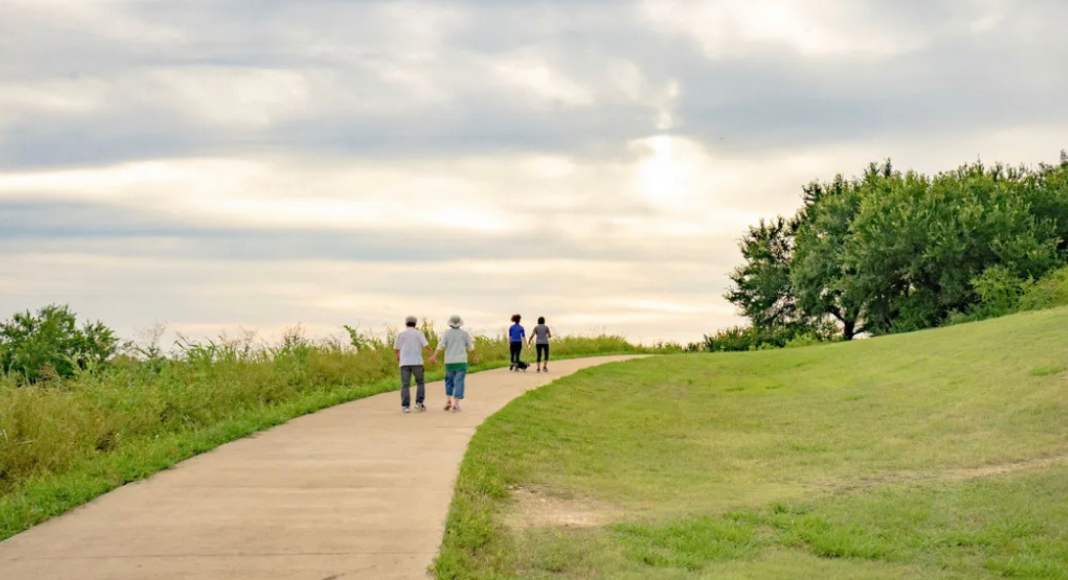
x=893 y=251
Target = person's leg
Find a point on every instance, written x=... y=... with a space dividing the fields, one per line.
x=543 y=350
x=458 y=389
x=420 y=392
x=546 y=365
x=406 y=382
x=450 y=388
x=516 y=347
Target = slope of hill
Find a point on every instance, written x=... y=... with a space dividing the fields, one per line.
x=937 y=454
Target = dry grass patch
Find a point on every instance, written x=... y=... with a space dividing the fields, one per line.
x=542 y=507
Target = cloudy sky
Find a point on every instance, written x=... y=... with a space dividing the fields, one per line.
x=216 y=164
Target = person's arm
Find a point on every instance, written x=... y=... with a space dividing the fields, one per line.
x=426 y=346
x=396 y=353
x=441 y=347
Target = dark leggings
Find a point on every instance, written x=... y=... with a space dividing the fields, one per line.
x=543 y=348
x=517 y=348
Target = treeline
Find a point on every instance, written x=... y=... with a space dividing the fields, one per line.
x=893 y=251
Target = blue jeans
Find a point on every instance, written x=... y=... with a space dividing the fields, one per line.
x=454 y=384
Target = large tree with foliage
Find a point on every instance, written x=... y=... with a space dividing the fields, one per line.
x=762 y=287
x=891 y=251
x=921 y=242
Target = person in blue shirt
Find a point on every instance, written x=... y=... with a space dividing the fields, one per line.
x=516 y=334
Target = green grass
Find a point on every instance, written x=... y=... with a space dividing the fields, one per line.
x=65 y=442
x=938 y=454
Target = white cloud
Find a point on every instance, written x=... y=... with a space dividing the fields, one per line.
x=103 y=18
x=814 y=28
x=534 y=76
x=59 y=97
x=236 y=97
x=576 y=297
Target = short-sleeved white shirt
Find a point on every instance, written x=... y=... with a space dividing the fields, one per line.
x=410 y=343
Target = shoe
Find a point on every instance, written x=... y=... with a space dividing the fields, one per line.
x=448 y=406
x=420 y=407
x=405 y=410
x=538 y=371
x=456 y=408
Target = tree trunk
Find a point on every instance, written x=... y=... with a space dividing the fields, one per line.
x=849 y=329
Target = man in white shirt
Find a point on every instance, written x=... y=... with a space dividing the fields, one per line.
x=409 y=348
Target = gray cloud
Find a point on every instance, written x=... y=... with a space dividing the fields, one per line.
x=765 y=96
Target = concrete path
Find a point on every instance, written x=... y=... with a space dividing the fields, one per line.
x=358 y=491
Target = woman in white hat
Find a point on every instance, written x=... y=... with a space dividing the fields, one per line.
x=456 y=343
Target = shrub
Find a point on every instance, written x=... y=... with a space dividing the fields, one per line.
x=50 y=343
x=999 y=292
x=807 y=339
x=742 y=338
x=1049 y=292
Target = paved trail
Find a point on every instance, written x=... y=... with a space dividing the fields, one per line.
x=358 y=491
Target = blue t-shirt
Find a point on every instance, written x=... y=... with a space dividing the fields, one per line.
x=516 y=333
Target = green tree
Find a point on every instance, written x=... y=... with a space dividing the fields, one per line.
x=825 y=283
x=34 y=346
x=893 y=252
x=761 y=286
x=1047 y=192
x=921 y=242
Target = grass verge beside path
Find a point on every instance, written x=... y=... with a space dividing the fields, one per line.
x=939 y=454
x=63 y=444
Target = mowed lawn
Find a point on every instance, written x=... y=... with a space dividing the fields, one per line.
x=938 y=454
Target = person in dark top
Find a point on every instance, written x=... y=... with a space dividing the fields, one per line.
x=540 y=337
x=516 y=334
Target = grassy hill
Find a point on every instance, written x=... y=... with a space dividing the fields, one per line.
x=938 y=454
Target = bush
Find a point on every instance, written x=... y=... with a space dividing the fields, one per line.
x=742 y=338
x=999 y=292
x=807 y=339
x=50 y=344
x=1049 y=292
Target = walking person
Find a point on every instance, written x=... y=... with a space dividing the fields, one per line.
x=540 y=336
x=516 y=334
x=456 y=343
x=408 y=348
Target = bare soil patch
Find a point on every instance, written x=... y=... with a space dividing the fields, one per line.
x=541 y=507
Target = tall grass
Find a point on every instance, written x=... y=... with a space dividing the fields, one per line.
x=63 y=442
